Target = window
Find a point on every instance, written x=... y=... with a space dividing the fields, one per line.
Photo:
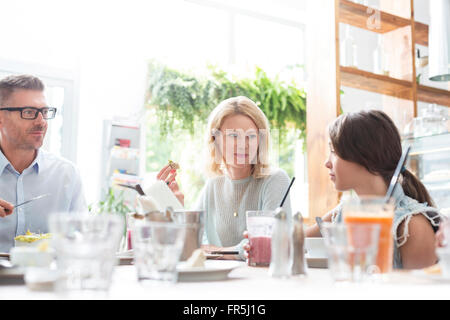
x=267 y=34
x=269 y=45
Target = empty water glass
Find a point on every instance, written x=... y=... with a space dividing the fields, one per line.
x=157 y=249
x=352 y=250
x=86 y=246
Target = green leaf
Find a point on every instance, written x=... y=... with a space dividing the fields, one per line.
x=182 y=99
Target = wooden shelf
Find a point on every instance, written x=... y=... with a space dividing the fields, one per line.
x=401 y=34
x=364 y=80
x=421 y=33
x=360 y=79
x=433 y=95
x=358 y=15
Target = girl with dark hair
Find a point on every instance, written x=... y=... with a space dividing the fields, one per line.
x=365 y=148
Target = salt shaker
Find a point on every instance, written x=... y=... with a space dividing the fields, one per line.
x=280 y=263
x=298 y=241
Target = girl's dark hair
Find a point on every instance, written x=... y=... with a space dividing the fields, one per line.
x=371 y=139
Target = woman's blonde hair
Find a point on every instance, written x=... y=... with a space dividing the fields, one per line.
x=235 y=106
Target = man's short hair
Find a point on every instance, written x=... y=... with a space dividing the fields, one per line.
x=16 y=82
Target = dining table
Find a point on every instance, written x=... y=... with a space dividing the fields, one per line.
x=253 y=283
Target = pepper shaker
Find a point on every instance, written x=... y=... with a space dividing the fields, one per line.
x=298 y=241
x=280 y=261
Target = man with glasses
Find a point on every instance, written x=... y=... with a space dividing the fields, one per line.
x=27 y=171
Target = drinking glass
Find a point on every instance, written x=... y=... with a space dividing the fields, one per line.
x=259 y=227
x=351 y=250
x=374 y=210
x=157 y=249
x=86 y=246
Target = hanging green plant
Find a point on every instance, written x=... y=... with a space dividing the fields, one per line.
x=183 y=99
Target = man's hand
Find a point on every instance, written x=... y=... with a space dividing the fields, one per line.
x=6 y=208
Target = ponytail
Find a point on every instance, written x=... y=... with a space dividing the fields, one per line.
x=413 y=188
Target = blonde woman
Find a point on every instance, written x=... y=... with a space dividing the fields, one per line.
x=240 y=176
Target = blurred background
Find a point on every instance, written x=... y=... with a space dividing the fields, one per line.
x=134 y=80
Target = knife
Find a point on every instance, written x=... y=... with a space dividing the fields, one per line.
x=28 y=201
x=319 y=222
x=224 y=252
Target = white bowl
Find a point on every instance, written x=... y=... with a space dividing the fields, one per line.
x=315 y=248
x=31 y=257
x=33 y=244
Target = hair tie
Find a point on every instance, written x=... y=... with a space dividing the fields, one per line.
x=403 y=169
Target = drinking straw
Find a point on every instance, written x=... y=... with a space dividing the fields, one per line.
x=287 y=191
x=319 y=222
x=397 y=171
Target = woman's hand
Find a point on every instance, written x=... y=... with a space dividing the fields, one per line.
x=168 y=175
x=6 y=208
x=247 y=248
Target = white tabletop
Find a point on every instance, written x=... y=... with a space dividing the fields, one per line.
x=255 y=284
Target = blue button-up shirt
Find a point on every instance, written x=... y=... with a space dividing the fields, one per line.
x=47 y=174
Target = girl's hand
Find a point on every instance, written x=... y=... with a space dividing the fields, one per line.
x=168 y=175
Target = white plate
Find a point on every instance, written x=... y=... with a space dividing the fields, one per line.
x=4 y=255
x=128 y=253
x=12 y=276
x=213 y=270
x=125 y=258
x=420 y=274
x=213 y=256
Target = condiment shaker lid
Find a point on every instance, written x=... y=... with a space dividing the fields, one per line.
x=298 y=216
x=280 y=214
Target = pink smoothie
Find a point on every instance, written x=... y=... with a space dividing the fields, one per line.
x=130 y=245
x=259 y=254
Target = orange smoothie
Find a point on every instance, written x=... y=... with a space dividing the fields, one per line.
x=385 y=243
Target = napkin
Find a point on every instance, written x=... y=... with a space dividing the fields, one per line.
x=158 y=197
x=146 y=204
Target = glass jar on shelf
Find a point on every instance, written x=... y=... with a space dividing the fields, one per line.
x=421 y=63
x=380 y=59
x=432 y=122
x=429 y=160
x=348 y=50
